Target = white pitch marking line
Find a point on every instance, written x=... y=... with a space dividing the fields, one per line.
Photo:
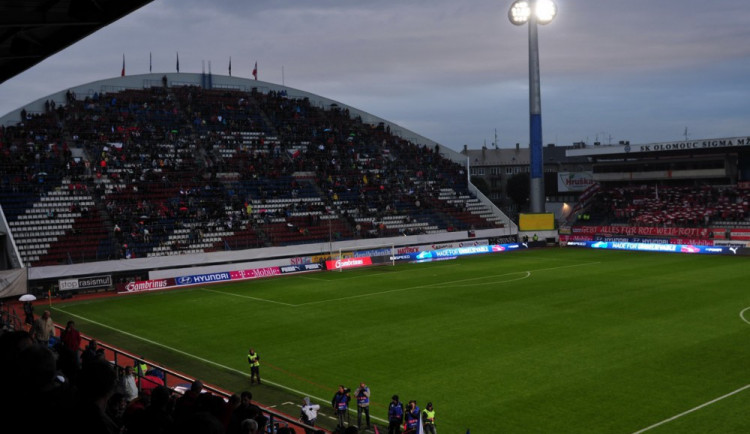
x=432 y=285
x=320 y=279
x=317 y=279
x=435 y=285
x=249 y=297
x=442 y=284
x=210 y=362
x=693 y=409
x=526 y=275
x=742 y=314
x=569 y=266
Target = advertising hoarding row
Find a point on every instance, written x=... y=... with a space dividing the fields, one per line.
x=413 y=254
x=656 y=247
x=199 y=279
x=450 y=253
x=624 y=239
x=385 y=251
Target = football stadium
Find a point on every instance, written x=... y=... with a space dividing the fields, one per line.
x=206 y=253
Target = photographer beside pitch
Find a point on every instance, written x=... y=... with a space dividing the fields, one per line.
x=340 y=404
x=411 y=418
x=395 y=415
x=362 y=393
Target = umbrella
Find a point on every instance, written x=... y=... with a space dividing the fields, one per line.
x=27 y=297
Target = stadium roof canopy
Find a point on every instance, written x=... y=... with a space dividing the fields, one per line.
x=32 y=30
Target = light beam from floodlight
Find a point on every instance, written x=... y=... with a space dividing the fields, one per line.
x=520 y=13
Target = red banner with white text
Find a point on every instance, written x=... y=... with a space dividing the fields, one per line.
x=643 y=231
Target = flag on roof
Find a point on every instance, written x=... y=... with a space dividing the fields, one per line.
x=255 y=71
x=122 y=73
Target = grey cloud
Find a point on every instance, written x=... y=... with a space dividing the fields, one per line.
x=452 y=71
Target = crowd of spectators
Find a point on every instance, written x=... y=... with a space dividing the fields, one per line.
x=671 y=206
x=50 y=385
x=168 y=158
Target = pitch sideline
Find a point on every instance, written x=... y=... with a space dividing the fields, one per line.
x=684 y=413
x=210 y=362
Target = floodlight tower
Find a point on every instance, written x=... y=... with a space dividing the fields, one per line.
x=532 y=12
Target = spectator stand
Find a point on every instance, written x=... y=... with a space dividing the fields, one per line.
x=175 y=170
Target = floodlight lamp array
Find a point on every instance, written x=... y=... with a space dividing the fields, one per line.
x=520 y=11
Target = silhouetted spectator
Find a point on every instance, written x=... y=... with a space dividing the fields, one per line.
x=90 y=353
x=96 y=384
x=156 y=417
x=115 y=409
x=187 y=404
x=247 y=410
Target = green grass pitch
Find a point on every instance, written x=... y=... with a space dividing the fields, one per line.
x=538 y=341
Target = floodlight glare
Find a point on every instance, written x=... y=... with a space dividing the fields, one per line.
x=545 y=11
x=520 y=11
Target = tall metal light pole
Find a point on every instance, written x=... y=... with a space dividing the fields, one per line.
x=532 y=12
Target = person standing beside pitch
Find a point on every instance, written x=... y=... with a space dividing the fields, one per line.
x=412 y=418
x=308 y=414
x=395 y=416
x=362 y=393
x=428 y=419
x=340 y=404
x=254 y=360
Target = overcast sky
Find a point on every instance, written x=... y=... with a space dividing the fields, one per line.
x=453 y=71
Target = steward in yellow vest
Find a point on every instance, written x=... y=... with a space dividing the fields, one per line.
x=254 y=360
x=428 y=419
